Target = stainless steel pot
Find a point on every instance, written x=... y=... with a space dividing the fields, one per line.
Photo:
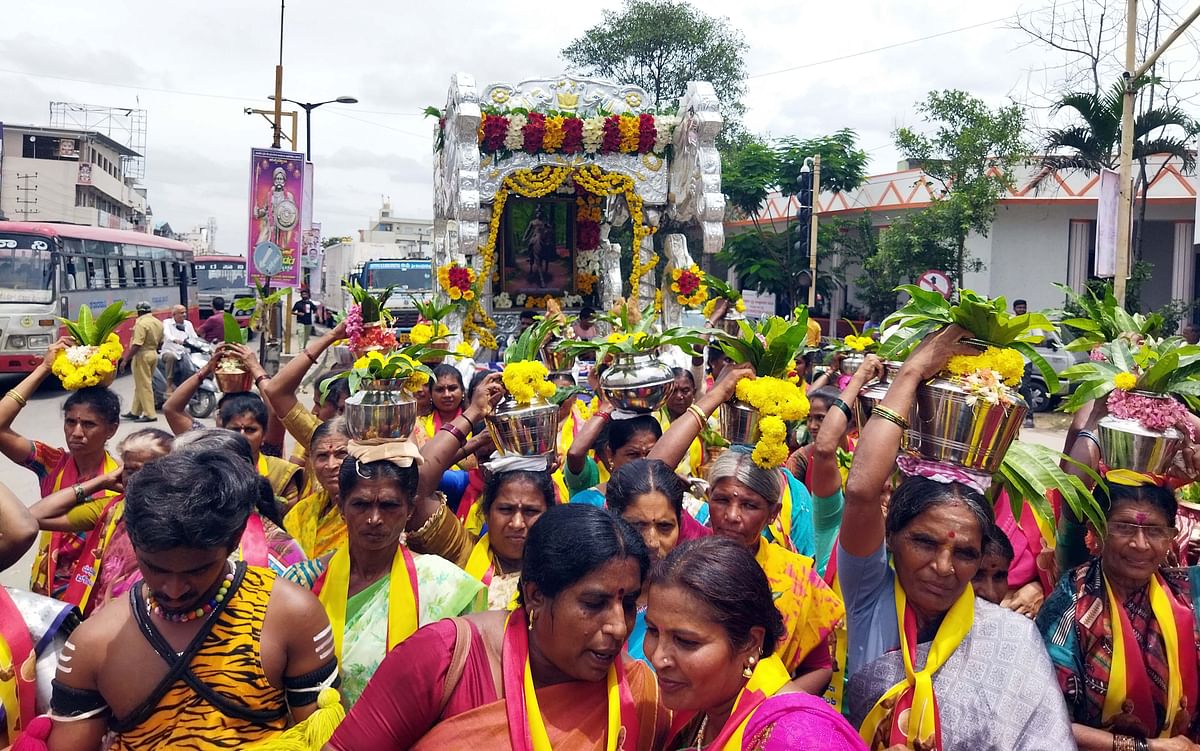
x=851 y=363
x=637 y=382
x=382 y=409
x=529 y=430
x=1126 y=444
x=739 y=423
x=949 y=425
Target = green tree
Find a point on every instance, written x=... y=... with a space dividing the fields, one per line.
x=1093 y=141
x=765 y=254
x=661 y=45
x=968 y=155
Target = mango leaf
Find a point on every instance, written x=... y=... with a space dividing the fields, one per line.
x=1156 y=378
x=1040 y=363
x=1031 y=471
x=87 y=327
x=234 y=334
x=109 y=319
x=1088 y=392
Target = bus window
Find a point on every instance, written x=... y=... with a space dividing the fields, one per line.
x=164 y=275
x=116 y=274
x=75 y=273
x=95 y=272
x=128 y=272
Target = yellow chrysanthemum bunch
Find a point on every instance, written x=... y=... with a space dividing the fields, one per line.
x=711 y=306
x=464 y=349
x=423 y=333
x=417 y=381
x=689 y=287
x=552 y=137
x=527 y=379
x=858 y=343
x=1007 y=364
x=777 y=400
x=82 y=367
x=1125 y=381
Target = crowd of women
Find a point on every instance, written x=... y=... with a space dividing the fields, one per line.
x=645 y=591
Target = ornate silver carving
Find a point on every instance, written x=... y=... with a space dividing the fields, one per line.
x=648 y=171
x=583 y=97
x=695 y=183
x=675 y=251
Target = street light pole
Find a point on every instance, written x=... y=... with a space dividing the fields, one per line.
x=308 y=108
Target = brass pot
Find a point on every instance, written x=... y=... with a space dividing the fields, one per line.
x=951 y=425
x=557 y=361
x=233 y=382
x=382 y=409
x=524 y=430
x=637 y=382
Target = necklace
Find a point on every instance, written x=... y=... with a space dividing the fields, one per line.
x=700 y=733
x=222 y=591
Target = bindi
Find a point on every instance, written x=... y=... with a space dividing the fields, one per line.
x=1141 y=517
x=952 y=535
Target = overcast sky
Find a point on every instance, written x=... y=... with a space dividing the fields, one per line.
x=196 y=66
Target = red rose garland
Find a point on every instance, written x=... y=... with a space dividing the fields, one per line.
x=647 y=133
x=572 y=135
x=612 y=135
x=533 y=132
x=495 y=128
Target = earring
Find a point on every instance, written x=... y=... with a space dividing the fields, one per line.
x=749 y=669
x=532 y=616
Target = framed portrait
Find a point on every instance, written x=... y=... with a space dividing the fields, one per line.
x=538 y=254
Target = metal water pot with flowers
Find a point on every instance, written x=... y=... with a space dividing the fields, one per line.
x=382 y=384
x=971 y=412
x=855 y=348
x=637 y=381
x=1147 y=389
x=366 y=321
x=719 y=290
x=762 y=406
x=231 y=374
x=93 y=359
x=525 y=423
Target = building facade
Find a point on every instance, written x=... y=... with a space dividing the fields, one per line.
x=1044 y=231
x=414 y=237
x=66 y=175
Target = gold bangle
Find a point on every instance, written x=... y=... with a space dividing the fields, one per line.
x=12 y=394
x=891 y=416
x=431 y=522
x=699 y=415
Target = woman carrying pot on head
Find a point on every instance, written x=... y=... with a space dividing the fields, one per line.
x=713 y=632
x=107 y=569
x=929 y=664
x=376 y=592
x=549 y=674
x=316 y=521
x=91 y=417
x=615 y=442
x=791 y=525
x=513 y=499
x=649 y=495
x=1121 y=629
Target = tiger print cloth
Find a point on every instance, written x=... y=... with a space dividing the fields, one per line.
x=229 y=663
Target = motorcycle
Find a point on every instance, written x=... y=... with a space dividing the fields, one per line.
x=198 y=353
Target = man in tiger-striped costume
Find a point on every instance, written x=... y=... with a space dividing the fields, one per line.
x=208 y=654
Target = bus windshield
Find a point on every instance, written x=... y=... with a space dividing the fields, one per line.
x=26 y=269
x=404 y=275
x=223 y=275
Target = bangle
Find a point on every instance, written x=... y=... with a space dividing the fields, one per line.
x=844 y=408
x=259 y=380
x=12 y=394
x=309 y=355
x=701 y=418
x=453 y=430
x=891 y=416
x=605 y=416
x=80 y=494
x=1129 y=743
x=431 y=522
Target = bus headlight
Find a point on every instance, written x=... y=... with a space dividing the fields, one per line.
x=16 y=342
x=38 y=341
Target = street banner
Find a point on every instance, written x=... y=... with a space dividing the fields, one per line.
x=276 y=237
x=1106 y=223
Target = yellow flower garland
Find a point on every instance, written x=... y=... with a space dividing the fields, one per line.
x=423 y=333
x=81 y=367
x=540 y=182
x=777 y=400
x=527 y=379
x=1006 y=363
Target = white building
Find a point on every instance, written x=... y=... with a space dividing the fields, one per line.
x=413 y=236
x=1044 y=231
x=67 y=175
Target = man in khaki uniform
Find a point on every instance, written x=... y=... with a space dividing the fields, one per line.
x=143 y=351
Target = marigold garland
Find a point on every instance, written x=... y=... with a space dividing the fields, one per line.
x=458 y=281
x=527 y=379
x=540 y=182
x=1007 y=364
x=423 y=333
x=777 y=400
x=1125 y=381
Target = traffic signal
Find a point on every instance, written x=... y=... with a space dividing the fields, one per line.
x=803 y=227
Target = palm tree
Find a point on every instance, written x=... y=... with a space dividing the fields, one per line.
x=1094 y=144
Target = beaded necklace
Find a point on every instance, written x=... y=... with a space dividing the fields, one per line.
x=153 y=607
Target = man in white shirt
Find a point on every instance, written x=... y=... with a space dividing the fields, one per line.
x=174 y=335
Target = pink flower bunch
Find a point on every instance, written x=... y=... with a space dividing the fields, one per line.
x=1151 y=413
x=354 y=323
x=1097 y=355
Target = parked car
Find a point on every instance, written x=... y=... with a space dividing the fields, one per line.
x=1060 y=359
